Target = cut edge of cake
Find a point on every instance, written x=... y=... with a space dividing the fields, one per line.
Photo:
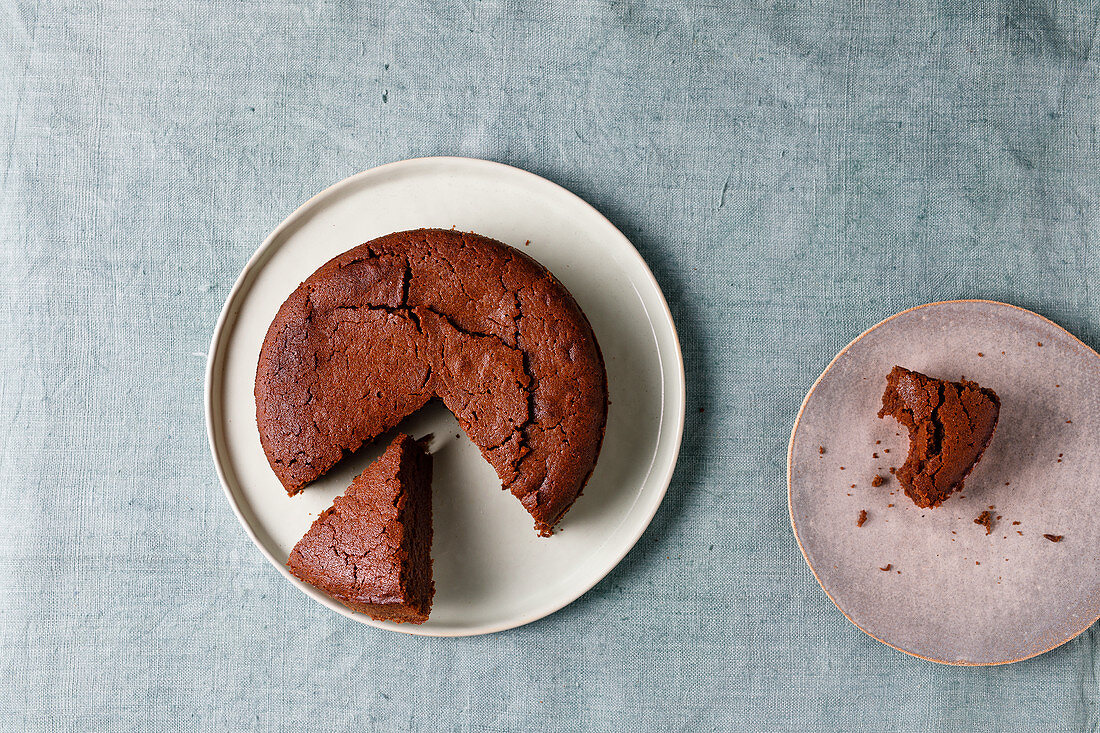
x=950 y=425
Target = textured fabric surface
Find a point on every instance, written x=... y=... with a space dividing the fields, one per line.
x=792 y=172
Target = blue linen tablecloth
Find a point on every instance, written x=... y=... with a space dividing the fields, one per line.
x=792 y=172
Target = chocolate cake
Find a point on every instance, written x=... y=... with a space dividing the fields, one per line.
x=380 y=330
x=371 y=550
x=950 y=424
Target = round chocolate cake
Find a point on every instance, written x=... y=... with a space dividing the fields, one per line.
x=380 y=330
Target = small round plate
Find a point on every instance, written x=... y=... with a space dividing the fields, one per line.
x=952 y=593
x=491 y=570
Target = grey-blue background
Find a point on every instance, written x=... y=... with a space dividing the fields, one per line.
x=792 y=172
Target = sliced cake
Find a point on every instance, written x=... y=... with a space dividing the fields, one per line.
x=371 y=550
x=949 y=423
x=379 y=331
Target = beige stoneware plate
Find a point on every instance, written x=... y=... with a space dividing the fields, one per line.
x=491 y=571
x=952 y=593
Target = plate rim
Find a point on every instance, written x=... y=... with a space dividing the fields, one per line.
x=227 y=317
x=790 y=457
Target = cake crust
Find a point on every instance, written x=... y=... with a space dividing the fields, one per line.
x=380 y=330
x=371 y=550
x=950 y=425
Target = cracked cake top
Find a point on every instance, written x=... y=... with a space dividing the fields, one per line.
x=378 y=331
x=371 y=550
x=949 y=423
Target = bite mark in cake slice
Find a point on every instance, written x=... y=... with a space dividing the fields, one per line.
x=950 y=425
x=371 y=550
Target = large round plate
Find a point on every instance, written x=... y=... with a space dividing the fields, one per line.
x=954 y=594
x=491 y=570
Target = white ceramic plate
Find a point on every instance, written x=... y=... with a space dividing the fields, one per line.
x=931 y=582
x=491 y=570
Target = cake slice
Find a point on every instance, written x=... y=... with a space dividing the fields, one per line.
x=371 y=550
x=950 y=424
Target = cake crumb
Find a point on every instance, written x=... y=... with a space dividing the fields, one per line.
x=877 y=481
x=885 y=450
x=889 y=505
x=980 y=354
x=1054 y=537
x=874 y=455
x=1038 y=343
x=1019 y=533
x=985 y=519
x=821 y=449
x=878 y=442
x=842 y=468
x=1015 y=523
x=887 y=568
x=863 y=518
